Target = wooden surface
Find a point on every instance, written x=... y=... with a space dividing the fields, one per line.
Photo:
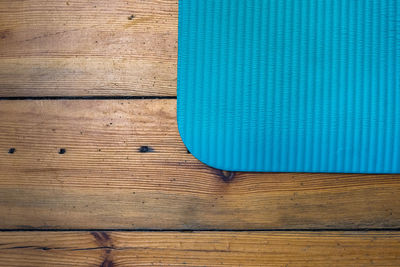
x=72 y=168
x=79 y=47
x=104 y=180
x=200 y=249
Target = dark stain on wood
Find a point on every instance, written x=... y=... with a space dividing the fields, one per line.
x=226 y=176
x=11 y=151
x=103 y=239
x=44 y=248
x=146 y=149
x=107 y=263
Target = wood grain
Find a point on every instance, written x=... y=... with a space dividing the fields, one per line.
x=125 y=167
x=199 y=249
x=86 y=48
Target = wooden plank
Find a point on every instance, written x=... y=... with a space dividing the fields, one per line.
x=85 y=48
x=200 y=249
x=125 y=167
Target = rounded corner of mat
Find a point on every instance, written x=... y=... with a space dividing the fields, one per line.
x=191 y=148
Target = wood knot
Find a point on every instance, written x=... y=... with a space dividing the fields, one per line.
x=104 y=241
x=226 y=176
x=107 y=263
x=102 y=238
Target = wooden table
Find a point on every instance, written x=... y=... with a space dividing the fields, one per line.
x=93 y=171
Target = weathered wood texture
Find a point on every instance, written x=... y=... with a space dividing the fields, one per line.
x=199 y=249
x=125 y=167
x=83 y=48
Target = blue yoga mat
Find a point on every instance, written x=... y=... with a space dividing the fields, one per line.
x=291 y=85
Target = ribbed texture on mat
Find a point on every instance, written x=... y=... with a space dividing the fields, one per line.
x=291 y=85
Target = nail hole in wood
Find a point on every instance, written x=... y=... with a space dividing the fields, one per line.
x=11 y=151
x=145 y=149
x=62 y=151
